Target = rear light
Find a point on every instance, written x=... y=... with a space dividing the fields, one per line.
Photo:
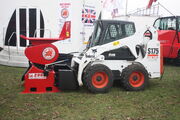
x=48 y=53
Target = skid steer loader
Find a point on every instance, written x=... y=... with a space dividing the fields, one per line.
x=115 y=51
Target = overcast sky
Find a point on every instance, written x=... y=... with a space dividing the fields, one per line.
x=171 y=5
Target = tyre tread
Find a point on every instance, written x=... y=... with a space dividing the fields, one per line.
x=127 y=72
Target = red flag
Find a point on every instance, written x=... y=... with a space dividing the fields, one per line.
x=150 y=3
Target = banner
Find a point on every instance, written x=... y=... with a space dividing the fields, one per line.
x=150 y=3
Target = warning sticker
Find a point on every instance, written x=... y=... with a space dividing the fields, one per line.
x=36 y=76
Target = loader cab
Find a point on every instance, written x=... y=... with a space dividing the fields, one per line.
x=169 y=35
x=107 y=31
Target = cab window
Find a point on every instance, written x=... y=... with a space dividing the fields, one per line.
x=165 y=24
x=118 y=31
x=157 y=24
x=129 y=28
x=178 y=24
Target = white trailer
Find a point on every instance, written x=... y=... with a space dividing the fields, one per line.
x=44 y=18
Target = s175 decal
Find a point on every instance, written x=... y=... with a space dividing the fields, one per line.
x=153 y=51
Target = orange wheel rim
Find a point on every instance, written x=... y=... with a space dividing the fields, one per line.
x=136 y=79
x=100 y=79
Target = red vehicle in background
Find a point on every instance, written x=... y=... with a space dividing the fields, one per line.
x=169 y=36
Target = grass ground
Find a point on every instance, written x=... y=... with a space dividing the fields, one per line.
x=160 y=101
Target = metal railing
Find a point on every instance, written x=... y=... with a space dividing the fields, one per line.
x=4 y=36
x=9 y=40
x=14 y=33
x=35 y=32
x=153 y=11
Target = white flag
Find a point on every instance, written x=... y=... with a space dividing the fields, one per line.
x=114 y=6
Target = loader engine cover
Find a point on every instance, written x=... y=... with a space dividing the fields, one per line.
x=42 y=54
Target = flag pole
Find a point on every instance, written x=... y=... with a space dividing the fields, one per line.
x=126 y=7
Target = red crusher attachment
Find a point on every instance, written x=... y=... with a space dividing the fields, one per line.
x=37 y=79
x=36 y=82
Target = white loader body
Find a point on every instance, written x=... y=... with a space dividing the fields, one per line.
x=151 y=60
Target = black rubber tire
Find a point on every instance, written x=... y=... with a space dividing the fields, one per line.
x=93 y=70
x=127 y=80
x=177 y=60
